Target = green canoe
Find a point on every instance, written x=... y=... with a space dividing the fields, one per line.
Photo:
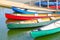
x=13 y=25
x=46 y=31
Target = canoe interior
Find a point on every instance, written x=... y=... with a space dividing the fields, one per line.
x=27 y=21
x=44 y=14
x=12 y=25
x=32 y=21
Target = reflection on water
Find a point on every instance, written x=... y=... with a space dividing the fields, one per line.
x=18 y=34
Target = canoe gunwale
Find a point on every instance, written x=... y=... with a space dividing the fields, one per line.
x=10 y=26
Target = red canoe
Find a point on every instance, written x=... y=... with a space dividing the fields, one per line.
x=54 y=7
x=12 y=16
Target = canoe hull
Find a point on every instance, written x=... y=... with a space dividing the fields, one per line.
x=54 y=7
x=11 y=25
x=44 y=32
x=11 y=16
x=44 y=4
x=28 y=12
x=40 y=32
x=22 y=11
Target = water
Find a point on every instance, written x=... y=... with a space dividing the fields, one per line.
x=18 y=34
x=13 y=34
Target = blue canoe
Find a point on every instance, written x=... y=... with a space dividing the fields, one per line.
x=22 y=11
x=44 y=3
x=25 y=11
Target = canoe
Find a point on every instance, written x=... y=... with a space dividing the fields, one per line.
x=28 y=21
x=44 y=3
x=54 y=7
x=23 y=11
x=31 y=23
x=26 y=11
x=52 y=0
x=46 y=30
x=6 y=3
x=28 y=16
